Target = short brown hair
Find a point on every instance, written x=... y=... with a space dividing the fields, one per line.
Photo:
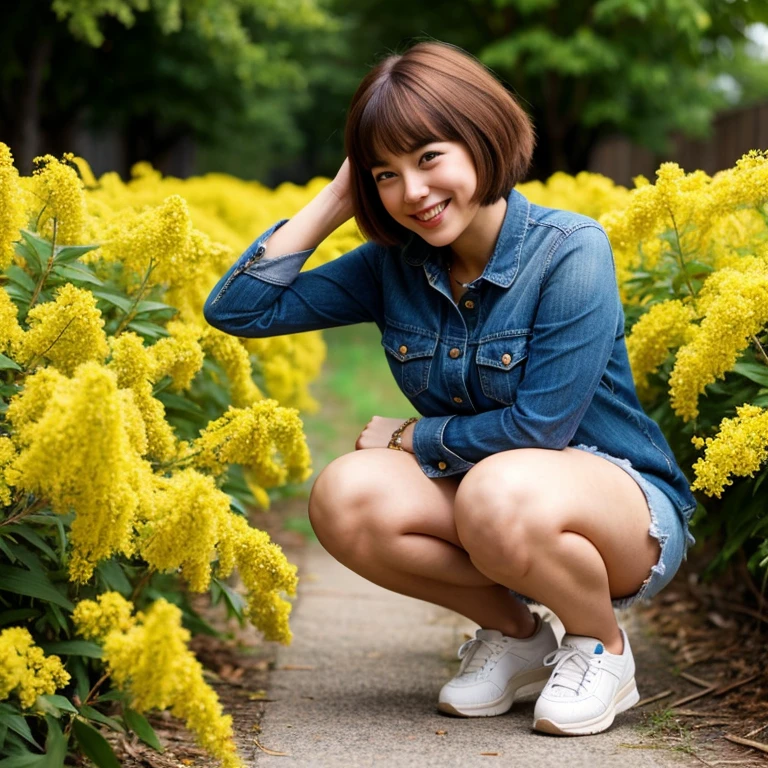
x=433 y=92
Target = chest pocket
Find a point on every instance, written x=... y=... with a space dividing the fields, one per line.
x=410 y=355
x=500 y=365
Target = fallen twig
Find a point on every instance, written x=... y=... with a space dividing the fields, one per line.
x=651 y=699
x=727 y=688
x=747 y=742
x=693 y=697
x=696 y=680
x=271 y=751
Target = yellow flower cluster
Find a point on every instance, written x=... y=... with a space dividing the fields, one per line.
x=179 y=355
x=734 y=305
x=265 y=572
x=61 y=197
x=77 y=440
x=229 y=352
x=12 y=210
x=25 y=669
x=739 y=448
x=67 y=331
x=110 y=612
x=252 y=437
x=11 y=333
x=589 y=193
x=665 y=326
x=149 y=658
x=7 y=455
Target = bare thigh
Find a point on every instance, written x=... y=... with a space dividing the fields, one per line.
x=385 y=490
x=534 y=494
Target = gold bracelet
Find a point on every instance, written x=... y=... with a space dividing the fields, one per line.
x=397 y=436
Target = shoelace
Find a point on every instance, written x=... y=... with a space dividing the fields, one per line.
x=572 y=668
x=478 y=659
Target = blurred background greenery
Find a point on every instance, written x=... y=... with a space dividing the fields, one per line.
x=260 y=88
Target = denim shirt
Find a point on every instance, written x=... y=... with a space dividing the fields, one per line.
x=532 y=356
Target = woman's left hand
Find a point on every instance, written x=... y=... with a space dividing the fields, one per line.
x=378 y=432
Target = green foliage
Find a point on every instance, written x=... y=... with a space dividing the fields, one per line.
x=34 y=542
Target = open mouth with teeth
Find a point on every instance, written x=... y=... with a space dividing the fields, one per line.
x=432 y=212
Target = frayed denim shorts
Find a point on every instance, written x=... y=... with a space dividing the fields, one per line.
x=666 y=525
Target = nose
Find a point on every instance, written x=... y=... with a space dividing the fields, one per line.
x=415 y=188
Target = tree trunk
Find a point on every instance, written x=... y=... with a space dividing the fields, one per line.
x=28 y=144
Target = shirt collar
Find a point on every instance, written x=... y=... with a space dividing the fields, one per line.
x=502 y=267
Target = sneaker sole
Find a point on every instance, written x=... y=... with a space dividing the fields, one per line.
x=523 y=685
x=627 y=697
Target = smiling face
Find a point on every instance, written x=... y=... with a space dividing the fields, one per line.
x=429 y=190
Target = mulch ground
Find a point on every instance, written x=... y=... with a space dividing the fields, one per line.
x=715 y=638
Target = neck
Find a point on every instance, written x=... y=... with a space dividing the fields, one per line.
x=473 y=248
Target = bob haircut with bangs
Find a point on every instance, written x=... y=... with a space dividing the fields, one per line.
x=433 y=92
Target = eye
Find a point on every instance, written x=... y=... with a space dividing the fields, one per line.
x=427 y=156
x=381 y=176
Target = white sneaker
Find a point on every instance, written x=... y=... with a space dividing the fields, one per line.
x=497 y=669
x=588 y=688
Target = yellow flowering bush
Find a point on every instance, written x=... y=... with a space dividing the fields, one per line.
x=133 y=436
x=692 y=257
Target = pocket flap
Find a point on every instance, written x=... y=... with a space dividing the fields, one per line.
x=407 y=345
x=503 y=353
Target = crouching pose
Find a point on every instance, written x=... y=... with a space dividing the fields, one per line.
x=533 y=474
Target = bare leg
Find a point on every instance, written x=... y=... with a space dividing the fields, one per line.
x=377 y=513
x=567 y=528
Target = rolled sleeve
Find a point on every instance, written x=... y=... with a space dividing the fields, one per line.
x=260 y=297
x=435 y=459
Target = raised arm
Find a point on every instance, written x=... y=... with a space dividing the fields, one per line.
x=265 y=293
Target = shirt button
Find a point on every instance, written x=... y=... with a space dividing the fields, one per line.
x=506 y=359
x=458 y=400
x=455 y=352
x=403 y=349
x=442 y=465
x=469 y=304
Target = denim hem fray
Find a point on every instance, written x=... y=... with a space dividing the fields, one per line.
x=653 y=530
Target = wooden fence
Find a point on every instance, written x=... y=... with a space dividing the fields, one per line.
x=733 y=134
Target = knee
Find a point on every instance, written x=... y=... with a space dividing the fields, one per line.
x=501 y=517
x=344 y=500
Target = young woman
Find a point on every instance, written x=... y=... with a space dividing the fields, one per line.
x=533 y=474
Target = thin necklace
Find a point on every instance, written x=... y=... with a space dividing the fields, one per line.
x=463 y=285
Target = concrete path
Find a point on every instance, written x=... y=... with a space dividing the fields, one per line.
x=376 y=663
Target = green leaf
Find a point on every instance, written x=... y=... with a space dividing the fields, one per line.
x=116 y=299
x=18 y=615
x=114 y=577
x=95 y=746
x=33 y=538
x=23 y=582
x=756 y=372
x=153 y=306
x=152 y=330
x=6 y=363
x=235 y=601
x=20 y=277
x=77 y=273
x=25 y=760
x=17 y=293
x=55 y=745
x=68 y=253
x=60 y=702
x=96 y=716
x=29 y=255
x=180 y=404
x=74 y=648
x=113 y=695
x=18 y=724
x=141 y=727
x=41 y=246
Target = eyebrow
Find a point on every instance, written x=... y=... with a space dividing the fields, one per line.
x=418 y=144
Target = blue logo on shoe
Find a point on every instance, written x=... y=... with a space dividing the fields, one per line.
x=598 y=648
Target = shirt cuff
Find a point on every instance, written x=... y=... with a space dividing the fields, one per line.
x=280 y=270
x=433 y=457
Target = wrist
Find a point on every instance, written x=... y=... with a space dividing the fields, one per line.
x=407 y=442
